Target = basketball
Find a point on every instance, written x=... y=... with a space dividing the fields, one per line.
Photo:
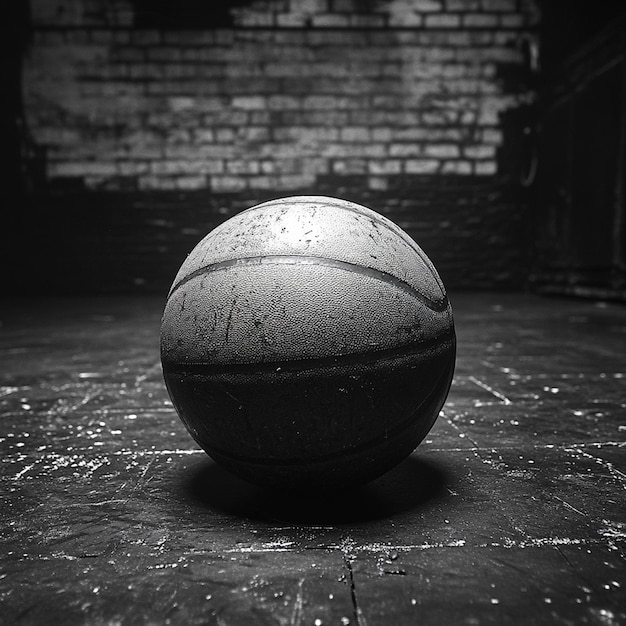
x=308 y=342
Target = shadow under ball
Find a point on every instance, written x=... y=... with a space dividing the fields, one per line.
x=308 y=342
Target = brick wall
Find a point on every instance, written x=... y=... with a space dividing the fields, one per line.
x=392 y=101
x=296 y=91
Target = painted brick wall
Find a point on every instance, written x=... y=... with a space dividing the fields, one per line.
x=294 y=93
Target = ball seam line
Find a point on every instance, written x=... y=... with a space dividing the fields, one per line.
x=441 y=342
x=353 y=207
x=438 y=306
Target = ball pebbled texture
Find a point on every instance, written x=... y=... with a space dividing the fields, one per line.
x=308 y=342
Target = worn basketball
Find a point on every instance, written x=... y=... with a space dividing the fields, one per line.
x=308 y=342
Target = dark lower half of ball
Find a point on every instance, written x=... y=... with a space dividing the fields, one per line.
x=315 y=424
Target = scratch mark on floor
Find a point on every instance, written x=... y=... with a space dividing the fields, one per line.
x=7 y=391
x=491 y=390
x=296 y=615
x=139 y=480
x=280 y=545
x=87 y=505
x=475 y=447
x=617 y=474
x=62 y=407
x=569 y=506
x=154 y=369
x=24 y=471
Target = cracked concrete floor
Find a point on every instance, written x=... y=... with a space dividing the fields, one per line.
x=512 y=511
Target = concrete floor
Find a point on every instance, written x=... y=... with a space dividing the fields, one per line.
x=512 y=511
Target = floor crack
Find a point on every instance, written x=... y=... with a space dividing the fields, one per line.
x=359 y=618
x=577 y=571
